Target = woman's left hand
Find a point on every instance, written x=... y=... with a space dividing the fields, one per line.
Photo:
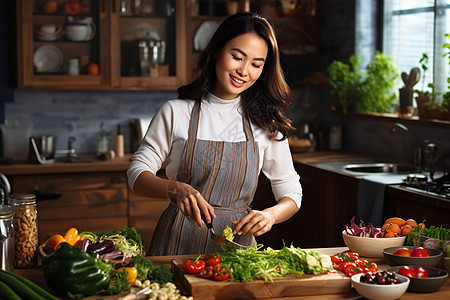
x=256 y=222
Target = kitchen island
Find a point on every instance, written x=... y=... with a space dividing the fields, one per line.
x=36 y=275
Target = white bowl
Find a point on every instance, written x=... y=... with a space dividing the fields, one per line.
x=371 y=247
x=380 y=291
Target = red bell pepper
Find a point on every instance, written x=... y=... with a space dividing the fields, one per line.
x=207 y=272
x=194 y=266
x=221 y=274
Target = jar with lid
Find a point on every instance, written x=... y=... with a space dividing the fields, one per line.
x=25 y=230
x=6 y=238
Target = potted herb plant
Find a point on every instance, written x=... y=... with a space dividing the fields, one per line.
x=369 y=90
x=425 y=98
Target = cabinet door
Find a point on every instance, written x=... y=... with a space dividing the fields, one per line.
x=48 y=42
x=147 y=44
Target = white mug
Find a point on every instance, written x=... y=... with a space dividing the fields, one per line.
x=79 y=31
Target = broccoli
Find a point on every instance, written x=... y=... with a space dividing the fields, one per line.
x=162 y=274
x=143 y=265
x=118 y=284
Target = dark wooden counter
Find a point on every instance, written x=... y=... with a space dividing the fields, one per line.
x=35 y=274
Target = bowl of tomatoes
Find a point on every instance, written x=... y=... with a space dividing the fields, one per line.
x=422 y=279
x=412 y=256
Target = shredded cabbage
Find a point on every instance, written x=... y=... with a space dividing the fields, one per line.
x=228 y=233
x=121 y=243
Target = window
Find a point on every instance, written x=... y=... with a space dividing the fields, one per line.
x=414 y=27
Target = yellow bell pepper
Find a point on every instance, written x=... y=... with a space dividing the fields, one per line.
x=53 y=242
x=72 y=236
x=132 y=274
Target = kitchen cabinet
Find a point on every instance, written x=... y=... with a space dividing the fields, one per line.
x=95 y=201
x=297 y=29
x=43 y=60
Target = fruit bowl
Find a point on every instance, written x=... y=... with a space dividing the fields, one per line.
x=397 y=260
x=380 y=291
x=371 y=247
x=435 y=280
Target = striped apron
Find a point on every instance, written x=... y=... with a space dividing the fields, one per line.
x=226 y=175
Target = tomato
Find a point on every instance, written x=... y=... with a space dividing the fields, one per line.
x=350 y=271
x=222 y=274
x=420 y=252
x=372 y=267
x=335 y=259
x=353 y=255
x=361 y=262
x=421 y=272
x=207 y=272
x=72 y=7
x=194 y=266
x=212 y=261
x=403 y=252
x=407 y=271
x=345 y=265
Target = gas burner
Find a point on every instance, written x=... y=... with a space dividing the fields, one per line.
x=416 y=179
x=419 y=182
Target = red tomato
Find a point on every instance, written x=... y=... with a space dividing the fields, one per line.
x=350 y=271
x=420 y=252
x=403 y=252
x=212 y=261
x=194 y=266
x=407 y=271
x=336 y=259
x=421 y=272
x=345 y=265
x=207 y=272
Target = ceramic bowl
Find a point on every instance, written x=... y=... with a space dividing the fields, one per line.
x=397 y=260
x=436 y=278
x=370 y=247
x=380 y=291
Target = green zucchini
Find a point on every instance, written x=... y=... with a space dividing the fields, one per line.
x=7 y=293
x=44 y=293
x=21 y=289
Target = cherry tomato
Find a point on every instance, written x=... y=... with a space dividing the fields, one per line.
x=351 y=270
x=335 y=259
x=420 y=252
x=353 y=255
x=407 y=271
x=345 y=265
x=372 y=267
x=207 y=272
x=222 y=274
x=212 y=261
x=421 y=272
x=194 y=266
x=360 y=262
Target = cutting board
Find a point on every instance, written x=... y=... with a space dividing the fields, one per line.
x=288 y=286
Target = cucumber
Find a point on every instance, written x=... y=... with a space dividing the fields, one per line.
x=44 y=293
x=20 y=288
x=7 y=293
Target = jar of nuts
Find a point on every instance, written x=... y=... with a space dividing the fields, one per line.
x=25 y=230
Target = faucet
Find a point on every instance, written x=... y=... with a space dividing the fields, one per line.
x=425 y=151
x=70 y=151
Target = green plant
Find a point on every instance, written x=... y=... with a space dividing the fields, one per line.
x=370 y=90
x=424 y=65
x=446 y=96
x=345 y=81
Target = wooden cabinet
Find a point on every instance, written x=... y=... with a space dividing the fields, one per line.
x=43 y=60
x=88 y=201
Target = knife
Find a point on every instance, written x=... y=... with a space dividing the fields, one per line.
x=219 y=239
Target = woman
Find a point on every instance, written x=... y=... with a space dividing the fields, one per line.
x=226 y=126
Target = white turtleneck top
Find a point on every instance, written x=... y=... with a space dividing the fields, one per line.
x=220 y=120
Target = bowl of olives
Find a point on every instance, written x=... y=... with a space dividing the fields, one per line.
x=381 y=285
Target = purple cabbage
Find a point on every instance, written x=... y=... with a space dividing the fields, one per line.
x=363 y=230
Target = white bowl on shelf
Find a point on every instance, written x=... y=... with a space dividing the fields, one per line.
x=371 y=247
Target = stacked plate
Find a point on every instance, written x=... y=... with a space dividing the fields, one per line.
x=48 y=32
x=48 y=59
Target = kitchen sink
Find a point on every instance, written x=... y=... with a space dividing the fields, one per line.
x=380 y=168
x=368 y=167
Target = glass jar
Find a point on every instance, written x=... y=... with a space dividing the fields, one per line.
x=6 y=238
x=25 y=230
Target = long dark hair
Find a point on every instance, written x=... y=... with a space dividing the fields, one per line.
x=265 y=101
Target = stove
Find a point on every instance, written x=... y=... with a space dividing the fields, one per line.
x=439 y=187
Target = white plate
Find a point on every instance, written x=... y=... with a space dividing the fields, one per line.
x=48 y=59
x=204 y=33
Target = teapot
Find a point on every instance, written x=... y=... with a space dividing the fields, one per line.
x=80 y=29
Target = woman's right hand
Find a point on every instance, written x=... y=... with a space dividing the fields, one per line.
x=190 y=202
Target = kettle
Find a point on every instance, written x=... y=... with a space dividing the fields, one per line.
x=6 y=226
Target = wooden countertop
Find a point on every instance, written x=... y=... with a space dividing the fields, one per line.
x=35 y=274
